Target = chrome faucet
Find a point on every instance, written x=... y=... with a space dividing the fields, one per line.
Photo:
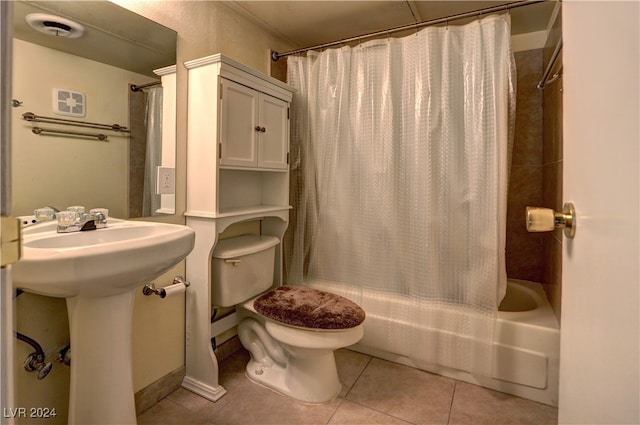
x=92 y=221
x=72 y=221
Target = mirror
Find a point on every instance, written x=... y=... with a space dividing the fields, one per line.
x=89 y=79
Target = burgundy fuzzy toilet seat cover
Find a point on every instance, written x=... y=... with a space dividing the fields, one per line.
x=309 y=308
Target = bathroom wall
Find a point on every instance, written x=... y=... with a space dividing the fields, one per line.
x=43 y=319
x=137 y=151
x=524 y=255
x=552 y=171
x=98 y=175
x=204 y=28
x=536 y=171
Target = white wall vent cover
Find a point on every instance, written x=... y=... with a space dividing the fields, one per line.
x=68 y=102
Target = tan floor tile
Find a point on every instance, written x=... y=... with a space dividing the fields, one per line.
x=383 y=393
x=350 y=365
x=403 y=392
x=248 y=403
x=232 y=370
x=195 y=403
x=476 y=405
x=256 y=405
x=349 y=413
x=166 y=412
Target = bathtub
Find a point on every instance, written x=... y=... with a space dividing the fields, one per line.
x=526 y=340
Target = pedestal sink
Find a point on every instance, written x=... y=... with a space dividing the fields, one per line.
x=97 y=272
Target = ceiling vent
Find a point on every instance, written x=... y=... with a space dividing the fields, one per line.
x=54 y=25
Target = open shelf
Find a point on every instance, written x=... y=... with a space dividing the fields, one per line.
x=238 y=189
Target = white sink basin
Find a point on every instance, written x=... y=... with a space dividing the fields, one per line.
x=98 y=271
x=98 y=262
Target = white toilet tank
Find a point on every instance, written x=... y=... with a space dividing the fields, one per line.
x=242 y=267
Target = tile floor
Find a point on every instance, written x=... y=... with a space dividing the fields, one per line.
x=374 y=391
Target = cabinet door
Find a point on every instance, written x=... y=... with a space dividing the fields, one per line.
x=238 y=121
x=273 y=142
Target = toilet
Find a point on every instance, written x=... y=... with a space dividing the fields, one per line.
x=291 y=332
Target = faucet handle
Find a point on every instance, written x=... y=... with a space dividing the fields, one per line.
x=67 y=221
x=77 y=208
x=100 y=216
x=44 y=214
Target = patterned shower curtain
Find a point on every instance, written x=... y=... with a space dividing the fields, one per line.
x=153 y=154
x=401 y=150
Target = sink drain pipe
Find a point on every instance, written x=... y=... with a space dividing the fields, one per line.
x=35 y=360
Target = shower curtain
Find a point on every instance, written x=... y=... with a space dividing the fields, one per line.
x=153 y=155
x=401 y=150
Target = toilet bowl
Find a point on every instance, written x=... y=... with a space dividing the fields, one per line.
x=294 y=361
x=291 y=332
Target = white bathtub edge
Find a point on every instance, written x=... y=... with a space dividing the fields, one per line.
x=527 y=346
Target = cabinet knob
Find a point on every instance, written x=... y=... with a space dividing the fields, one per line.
x=260 y=129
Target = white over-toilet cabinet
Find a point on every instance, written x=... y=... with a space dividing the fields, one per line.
x=254 y=128
x=237 y=170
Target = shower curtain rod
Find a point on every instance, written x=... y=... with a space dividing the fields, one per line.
x=275 y=55
x=554 y=58
x=144 y=86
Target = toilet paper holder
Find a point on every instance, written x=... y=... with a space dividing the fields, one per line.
x=150 y=288
x=547 y=220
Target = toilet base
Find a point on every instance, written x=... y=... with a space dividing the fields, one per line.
x=310 y=379
x=305 y=374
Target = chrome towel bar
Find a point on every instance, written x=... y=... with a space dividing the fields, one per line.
x=30 y=116
x=40 y=130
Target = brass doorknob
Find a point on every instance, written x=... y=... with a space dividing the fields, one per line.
x=546 y=220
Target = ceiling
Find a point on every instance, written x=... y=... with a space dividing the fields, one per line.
x=309 y=23
x=121 y=38
x=113 y=34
